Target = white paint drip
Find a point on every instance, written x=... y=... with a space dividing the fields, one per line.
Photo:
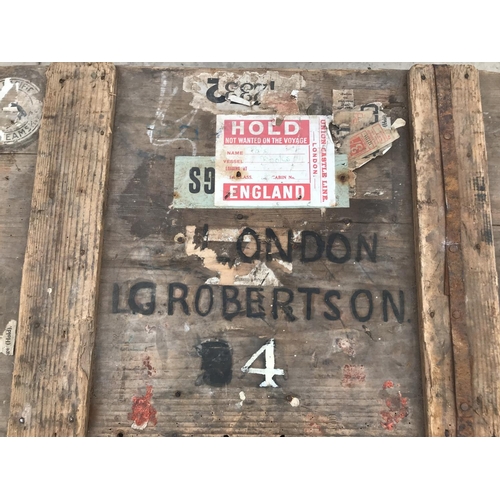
x=164 y=104
x=8 y=85
x=287 y=265
x=49 y=290
x=295 y=402
x=186 y=327
x=242 y=398
x=323 y=211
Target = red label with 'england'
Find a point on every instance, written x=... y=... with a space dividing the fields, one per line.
x=265 y=162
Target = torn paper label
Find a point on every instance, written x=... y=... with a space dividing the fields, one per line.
x=343 y=99
x=249 y=92
x=262 y=163
x=8 y=338
x=361 y=132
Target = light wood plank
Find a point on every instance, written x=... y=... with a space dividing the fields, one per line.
x=59 y=287
x=429 y=226
x=478 y=252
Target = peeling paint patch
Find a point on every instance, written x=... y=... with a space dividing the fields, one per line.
x=260 y=275
x=295 y=402
x=315 y=425
x=388 y=384
x=346 y=346
x=143 y=412
x=250 y=91
x=209 y=258
x=353 y=375
x=397 y=410
x=8 y=338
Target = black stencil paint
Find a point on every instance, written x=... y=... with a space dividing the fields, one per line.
x=398 y=312
x=335 y=310
x=230 y=296
x=181 y=299
x=320 y=246
x=239 y=245
x=198 y=298
x=142 y=308
x=347 y=248
x=283 y=305
x=216 y=362
x=309 y=293
x=354 y=309
x=257 y=300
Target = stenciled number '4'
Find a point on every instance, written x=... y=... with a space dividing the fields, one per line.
x=269 y=371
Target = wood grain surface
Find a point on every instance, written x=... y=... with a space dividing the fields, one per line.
x=57 y=311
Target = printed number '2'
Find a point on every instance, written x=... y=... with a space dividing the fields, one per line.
x=269 y=371
x=212 y=90
x=208 y=178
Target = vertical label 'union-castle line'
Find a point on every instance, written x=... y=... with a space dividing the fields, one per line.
x=260 y=163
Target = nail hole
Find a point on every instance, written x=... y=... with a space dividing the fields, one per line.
x=467 y=76
x=120 y=435
x=447 y=433
x=61 y=81
x=226 y=435
x=423 y=77
x=178 y=394
x=238 y=174
x=21 y=420
x=102 y=132
x=239 y=216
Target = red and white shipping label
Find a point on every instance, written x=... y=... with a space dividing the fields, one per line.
x=259 y=163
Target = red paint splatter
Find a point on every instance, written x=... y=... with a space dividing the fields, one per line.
x=397 y=409
x=353 y=375
x=147 y=364
x=142 y=411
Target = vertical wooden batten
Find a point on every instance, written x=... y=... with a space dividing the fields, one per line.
x=429 y=224
x=457 y=278
x=57 y=314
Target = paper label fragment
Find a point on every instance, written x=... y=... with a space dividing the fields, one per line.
x=8 y=338
x=263 y=162
x=361 y=132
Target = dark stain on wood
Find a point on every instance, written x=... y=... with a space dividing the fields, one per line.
x=216 y=362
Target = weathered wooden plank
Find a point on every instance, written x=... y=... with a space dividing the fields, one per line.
x=429 y=226
x=358 y=374
x=59 y=288
x=478 y=252
x=465 y=242
x=17 y=167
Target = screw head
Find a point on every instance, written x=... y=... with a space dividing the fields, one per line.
x=21 y=420
x=456 y=314
x=71 y=419
x=464 y=406
x=447 y=136
x=454 y=248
